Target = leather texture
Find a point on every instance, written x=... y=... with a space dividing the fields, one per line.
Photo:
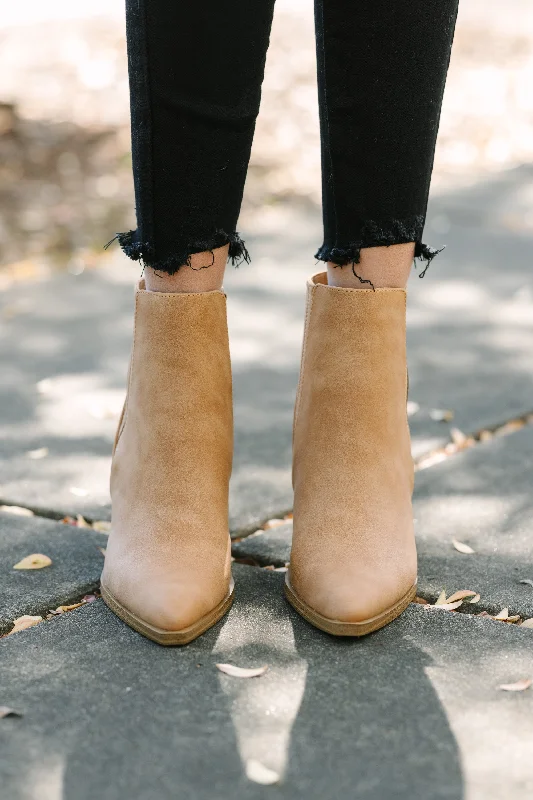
x=353 y=552
x=168 y=560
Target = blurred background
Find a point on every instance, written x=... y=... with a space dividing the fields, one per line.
x=65 y=179
x=66 y=304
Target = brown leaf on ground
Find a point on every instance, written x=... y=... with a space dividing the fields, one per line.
x=258 y=773
x=412 y=407
x=35 y=455
x=421 y=601
x=458 y=437
x=503 y=614
x=240 y=672
x=35 y=561
x=514 y=618
x=18 y=510
x=5 y=711
x=78 y=491
x=450 y=606
x=441 y=414
x=461 y=595
x=62 y=609
x=519 y=686
x=24 y=622
x=273 y=523
x=102 y=526
x=461 y=547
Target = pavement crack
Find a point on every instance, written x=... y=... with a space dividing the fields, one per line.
x=460 y=441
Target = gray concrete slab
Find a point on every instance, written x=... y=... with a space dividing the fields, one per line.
x=470 y=341
x=266 y=548
x=481 y=497
x=411 y=711
x=75 y=570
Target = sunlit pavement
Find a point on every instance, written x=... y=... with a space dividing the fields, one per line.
x=413 y=711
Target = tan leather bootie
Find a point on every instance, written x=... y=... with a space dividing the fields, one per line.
x=353 y=560
x=168 y=563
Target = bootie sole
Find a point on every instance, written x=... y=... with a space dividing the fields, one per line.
x=339 y=628
x=164 y=637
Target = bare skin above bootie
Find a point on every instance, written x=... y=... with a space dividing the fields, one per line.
x=353 y=562
x=168 y=562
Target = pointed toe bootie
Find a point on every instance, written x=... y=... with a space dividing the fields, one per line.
x=167 y=569
x=353 y=560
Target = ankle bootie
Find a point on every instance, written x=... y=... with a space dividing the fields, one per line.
x=168 y=562
x=353 y=560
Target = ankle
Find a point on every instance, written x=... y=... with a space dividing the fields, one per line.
x=378 y=268
x=204 y=274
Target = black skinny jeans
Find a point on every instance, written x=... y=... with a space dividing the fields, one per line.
x=196 y=68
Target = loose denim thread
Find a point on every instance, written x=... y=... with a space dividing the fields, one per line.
x=144 y=252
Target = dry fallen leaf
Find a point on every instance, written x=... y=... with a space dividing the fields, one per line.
x=42 y=452
x=511 y=426
x=82 y=522
x=441 y=414
x=240 y=672
x=519 y=686
x=458 y=437
x=412 y=407
x=273 y=523
x=78 y=492
x=514 y=618
x=102 y=526
x=461 y=547
x=504 y=613
x=22 y=623
x=44 y=386
x=35 y=561
x=461 y=595
x=18 y=510
x=441 y=598
x=448 y=606
x=8 y=712
x=62 y=609
x=430 y=460
x=527 y=623
x=258 y=773
x=421 y=601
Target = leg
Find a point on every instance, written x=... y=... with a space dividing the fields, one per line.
x=195 y=76
x=195 y=79
x=382 y=68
